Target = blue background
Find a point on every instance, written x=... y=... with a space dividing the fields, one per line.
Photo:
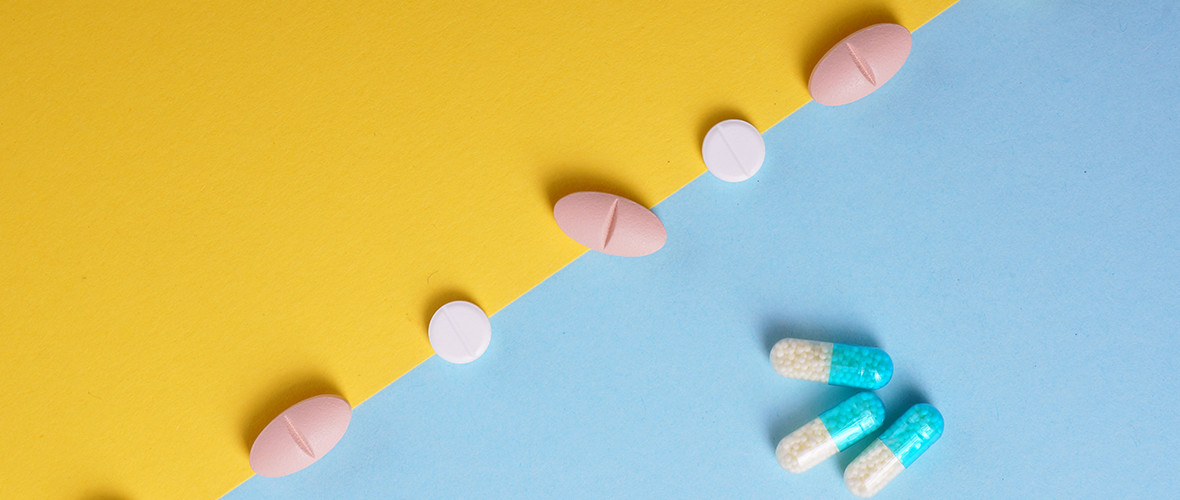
x=1001 y=217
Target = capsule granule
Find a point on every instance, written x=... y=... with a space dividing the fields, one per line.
x=894 y=450
x=837 y=364
x=833 y=431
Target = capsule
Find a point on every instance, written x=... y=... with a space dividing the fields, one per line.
x=837 y=364
x=894 y=450
x=834 y=430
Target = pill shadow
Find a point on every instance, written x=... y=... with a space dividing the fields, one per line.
x=836 y=29
x=296 y=389
x=103 y=494
x=439 y=299
x=774 y=330
x=794 y=413
x=717 y=116
x=568 y=179
x=900 y=399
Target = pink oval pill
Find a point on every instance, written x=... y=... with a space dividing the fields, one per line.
x=860 y=64
x=610 y=224
x=300 y=435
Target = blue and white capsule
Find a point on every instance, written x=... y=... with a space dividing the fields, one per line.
x=834 y=430
x=894 y=450
x=837 y=364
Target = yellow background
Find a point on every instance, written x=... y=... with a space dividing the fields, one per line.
x=210 y=212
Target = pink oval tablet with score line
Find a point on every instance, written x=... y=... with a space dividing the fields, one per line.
x=860 y=64
x=610 y=224
x=300 y=436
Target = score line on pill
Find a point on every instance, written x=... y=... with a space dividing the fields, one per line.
x=733 y=150
x=300 y=436
x=610 y=224
x=459 y=332
x=860 y=64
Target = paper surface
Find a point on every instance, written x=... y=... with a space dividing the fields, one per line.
x=208 y=213
x=1000 y=218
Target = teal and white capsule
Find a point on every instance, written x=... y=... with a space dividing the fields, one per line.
x=834 y=430
x=894 y=450
x=837 y=364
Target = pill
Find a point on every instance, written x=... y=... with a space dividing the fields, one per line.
x=733 y=150
x=860 y=64
x=299 y=436
x=610 y=224
x=834 y=430
x=894 y=450
x=459 y=332
x=837 y=364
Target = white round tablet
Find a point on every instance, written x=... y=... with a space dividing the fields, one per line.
x=459 y=332
x=733 y=150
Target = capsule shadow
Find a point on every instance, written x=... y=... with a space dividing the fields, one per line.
x=899 y=401
x=775 y=330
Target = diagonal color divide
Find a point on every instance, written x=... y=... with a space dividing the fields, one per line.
x=209 y=213
x=999 y=217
